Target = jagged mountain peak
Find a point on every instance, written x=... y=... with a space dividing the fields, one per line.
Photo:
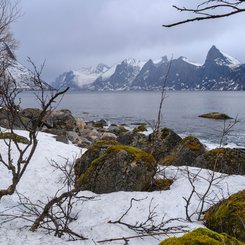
x=160 y=61
x=101 y=67
x=133 y=62
x=215 y=56
x=217 y=73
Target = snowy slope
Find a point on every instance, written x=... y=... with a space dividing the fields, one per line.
x=41 y=182
x=230 y=61
x=24 y=77
x=78 y=78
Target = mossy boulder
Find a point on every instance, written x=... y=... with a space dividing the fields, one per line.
x=228 y=216
x=162 y=145
x=108 y=166
x=140 y=128
x=185 y=153
x=215 y=115
x=7 y=120
x=224 y=160
x=202 y=236
x=134 y=139
x=31 y=113
x=94 y=151
x=15 y=137
x=162 y=184
x=113 y=128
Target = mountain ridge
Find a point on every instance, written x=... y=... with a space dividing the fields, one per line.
x=220 y=71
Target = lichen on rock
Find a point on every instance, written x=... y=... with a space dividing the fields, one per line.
x=224 y=160
x=115 y=167
x=215 y=115
x=228 y=216
x=202 y=236
x=15 y=137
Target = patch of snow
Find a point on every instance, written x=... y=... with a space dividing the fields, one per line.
x=233 y=62
x=190 y=62
x=41 y=182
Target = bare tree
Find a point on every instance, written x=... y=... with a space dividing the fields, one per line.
x=211 y=190
x=8 y=97
x=9 y=12
x=210 y=9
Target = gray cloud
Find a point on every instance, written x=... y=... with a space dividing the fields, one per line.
x=74 y=33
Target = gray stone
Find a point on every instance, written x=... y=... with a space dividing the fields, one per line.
x=107 y=167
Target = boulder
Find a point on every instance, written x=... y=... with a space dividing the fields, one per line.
x=80 y=125
x=162 y=145
x=202 y=236
x=224 y=160
x=90 y=134
x=133 y=139
x=113 y=128
x=140 y=128
x=185 y=153
x=108 y=166
x=108 y=136
x=228 y=216
x=215 y=115
x=97 y=124
x=62 y=119
x=73 y=137
x=8 y=121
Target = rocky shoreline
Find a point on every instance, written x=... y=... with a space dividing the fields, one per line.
x=168 y=149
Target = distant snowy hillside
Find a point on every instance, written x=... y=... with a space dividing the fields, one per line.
x=77 y=79
x=119 y=77
x=23 y=77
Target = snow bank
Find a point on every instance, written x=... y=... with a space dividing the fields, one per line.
x=41 y=182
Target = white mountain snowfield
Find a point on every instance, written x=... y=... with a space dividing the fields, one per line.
x=231 y=61
x=41 y=181
x=87 y=75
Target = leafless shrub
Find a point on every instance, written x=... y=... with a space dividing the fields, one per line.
x=150 y=225
x=210 y=9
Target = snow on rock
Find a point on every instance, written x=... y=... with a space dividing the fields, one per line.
x=41 y=182
x=190 y=62
x=231 y=61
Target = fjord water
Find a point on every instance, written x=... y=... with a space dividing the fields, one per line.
x=180 y=110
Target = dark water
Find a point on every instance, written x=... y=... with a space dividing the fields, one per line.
x=180 y=110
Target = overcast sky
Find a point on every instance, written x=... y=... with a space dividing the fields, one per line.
x=69 y=34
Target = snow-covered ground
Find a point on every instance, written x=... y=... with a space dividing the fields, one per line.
x=41 y=181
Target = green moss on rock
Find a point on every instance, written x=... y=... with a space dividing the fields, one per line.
x=119 y=168
x=202 y=236
x=136 y=153
x=215 y=115
x=192 y=143
x=168 y=160
x=15 y=137
x=162 y=184
x=140 y=128
x=225 y=160
x=228 y=216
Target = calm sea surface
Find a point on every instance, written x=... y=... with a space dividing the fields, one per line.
x=180 y=110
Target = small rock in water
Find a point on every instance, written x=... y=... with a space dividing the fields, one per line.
x=215 y=115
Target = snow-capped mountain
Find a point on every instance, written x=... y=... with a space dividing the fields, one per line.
x=118 y=77
x=219 y=72
x=77 y=79
x=22 y=76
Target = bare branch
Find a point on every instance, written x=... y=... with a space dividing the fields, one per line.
x=209 y=10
